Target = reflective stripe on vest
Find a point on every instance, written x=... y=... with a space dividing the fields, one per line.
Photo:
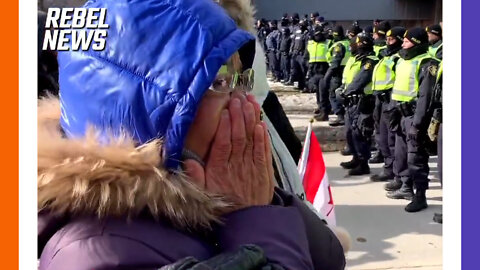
x=433 y=51
x=440 y=71
x=406 y=85
x=317 y=51
x=351 y=70
x=383 y=76
x=348 y=72
x=346 y=45
x=377 y=49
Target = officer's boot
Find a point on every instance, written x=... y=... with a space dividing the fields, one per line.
x=438 y=218
x=321 y=117
x=418 y=203
x=346 y=152
x=361 y=169
x=340 y=121
x=382 y=177
x=405 y=192
x=377 y=158
x=289 y=82
x=350 y=164
x=393 y=185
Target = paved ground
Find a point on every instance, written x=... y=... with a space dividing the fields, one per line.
x=384 y=236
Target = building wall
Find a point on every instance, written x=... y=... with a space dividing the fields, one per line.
x=411 y=12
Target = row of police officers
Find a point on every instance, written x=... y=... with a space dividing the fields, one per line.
x=385 y=86
x=391 y=88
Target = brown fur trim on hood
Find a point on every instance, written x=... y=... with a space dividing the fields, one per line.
x=242 y=12
x=84 y=177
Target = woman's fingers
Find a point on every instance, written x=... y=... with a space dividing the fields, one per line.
x=249 y=114
x=256 y=106
x=222 y=145
x=269 y=157
x=238 y=130
x=259 y=154
x=195 y=172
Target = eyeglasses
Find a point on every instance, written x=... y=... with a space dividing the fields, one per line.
x=227 y=82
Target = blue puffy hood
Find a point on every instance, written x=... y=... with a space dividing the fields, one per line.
x=160 y=58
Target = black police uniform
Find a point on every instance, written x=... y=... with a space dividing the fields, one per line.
x=273 y=45
x=285 y=44
x=411 y=156
x=359 y=119
x=384 y=133
x=333 y=78
x=262 y=33
x=298 y=61
x=436 y=48
x=384 y=108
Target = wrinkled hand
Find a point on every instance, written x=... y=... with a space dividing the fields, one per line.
x=239 y=166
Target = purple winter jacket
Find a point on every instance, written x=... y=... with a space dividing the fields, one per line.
x=88 y=243
x=113 y=207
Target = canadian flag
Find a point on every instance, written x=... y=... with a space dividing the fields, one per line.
x=313 y=174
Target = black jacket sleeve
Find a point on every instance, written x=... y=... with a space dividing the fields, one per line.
x=427 y=80
x=274 y=111
x=363 y=78
x=327 y=251
x=337 y=56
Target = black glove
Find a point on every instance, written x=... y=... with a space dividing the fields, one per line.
x=366 y=125
x=309 y=74
x=412 y=133
x=247 y=257
x=395 y=118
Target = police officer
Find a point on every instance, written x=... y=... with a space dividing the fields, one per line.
x=360 y=104
x=435 y=40
x=383 y=80
x=294 y=23
x=285 y=44
x=338 y=55
x=284 y=22
x=379 y=32
x=414 y=79
x=435 y=128
x=368 y=31
x=354 y=30
x=262 y=32
x=297 y=52
x=317 y=50
x=273 y=45
x=313 y=16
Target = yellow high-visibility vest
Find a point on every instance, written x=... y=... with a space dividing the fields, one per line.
x=317 y=51
x=440 y=71
x=377 y=49
x=405 y=88
x=352 y=68
x=433 y=51
x=347 y=55
x=383 y=76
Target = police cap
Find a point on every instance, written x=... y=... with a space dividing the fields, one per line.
x=435 y=29
x=355 y=29
x=338 y=31
x=364 y=40
x=382 y=28
x=397 y=32
x=417 y=35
